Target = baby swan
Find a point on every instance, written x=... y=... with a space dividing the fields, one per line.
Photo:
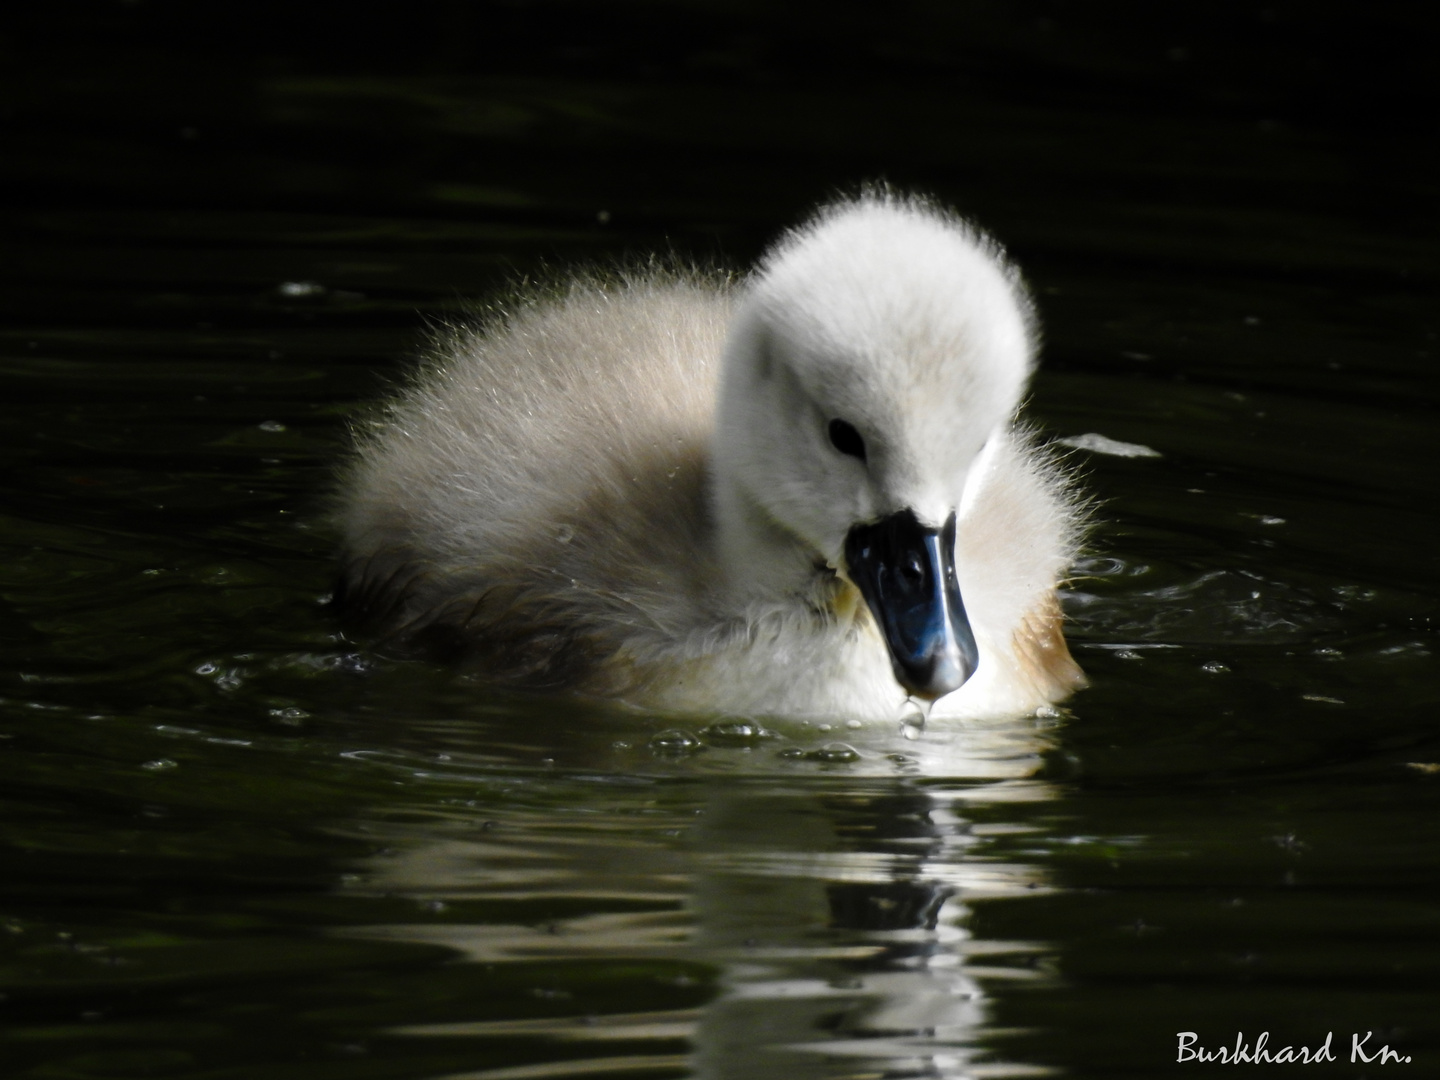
x=803 y=495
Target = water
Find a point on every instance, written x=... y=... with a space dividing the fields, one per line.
x=237 y=844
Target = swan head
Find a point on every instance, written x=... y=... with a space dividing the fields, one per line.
x=876 y=357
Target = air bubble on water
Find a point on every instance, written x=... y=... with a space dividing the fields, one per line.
x=835 y=753
x=736 y=733
x=675 y=742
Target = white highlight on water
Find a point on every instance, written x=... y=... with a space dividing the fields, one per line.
x=1103 y=444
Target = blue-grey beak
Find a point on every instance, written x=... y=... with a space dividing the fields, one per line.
x=906 y=572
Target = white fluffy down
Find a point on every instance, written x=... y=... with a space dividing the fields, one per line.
x=626 y=488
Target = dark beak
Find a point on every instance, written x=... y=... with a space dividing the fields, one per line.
x=906 y=572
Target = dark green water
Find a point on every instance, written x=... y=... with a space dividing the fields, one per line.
x=234 y=844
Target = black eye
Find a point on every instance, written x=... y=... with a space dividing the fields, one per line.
x=846 y=439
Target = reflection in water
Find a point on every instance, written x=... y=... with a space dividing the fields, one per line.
x=814 y=926
x=839 y=921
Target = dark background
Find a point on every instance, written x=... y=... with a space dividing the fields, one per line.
x=678 y=112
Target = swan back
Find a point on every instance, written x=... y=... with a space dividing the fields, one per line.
x=535 y=492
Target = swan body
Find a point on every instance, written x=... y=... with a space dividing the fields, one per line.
x=802 y=494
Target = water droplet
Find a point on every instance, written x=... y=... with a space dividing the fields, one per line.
x=913 y=715
x=565 y=533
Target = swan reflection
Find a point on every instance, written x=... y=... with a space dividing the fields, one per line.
x=809 y=925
